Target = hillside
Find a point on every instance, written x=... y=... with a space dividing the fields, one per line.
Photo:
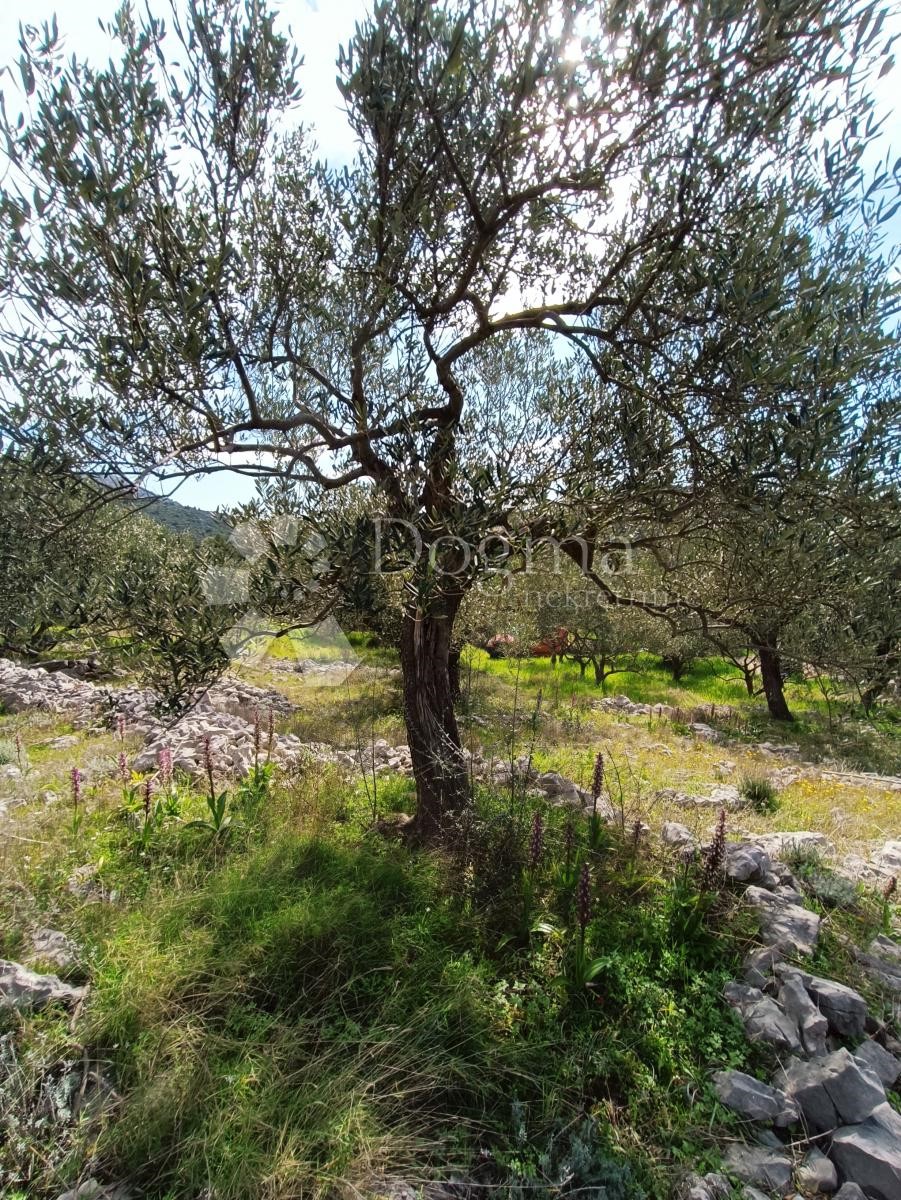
x=181 y=518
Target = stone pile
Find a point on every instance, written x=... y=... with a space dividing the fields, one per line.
x=231 y=741
x=224 y=714
x=697 y=715
x=33 y=687
x=313 y=666
x=835 y=1098
x=723 y=795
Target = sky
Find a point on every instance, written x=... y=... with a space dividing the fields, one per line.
x=319 y=28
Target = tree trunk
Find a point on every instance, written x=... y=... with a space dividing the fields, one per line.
x=750 y=675
x=453 y=673
x=887 y=661
x=771 y=676
x=442 y=782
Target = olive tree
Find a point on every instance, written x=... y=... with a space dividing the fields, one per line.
x=58 y=541
x=537 y=190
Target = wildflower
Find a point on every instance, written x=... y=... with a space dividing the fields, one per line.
x=208 y=763
x=270 y=734
x=164 y=758
x=569 y=840
x=597 y=783
x=148 y=796
x=583 y=899
x=19 y=749
x=76 y=787
x=890 y=888
x=636 y=834
x=256 y=736
x=124 y=773
x=120 y=726
x=716 y=854
x=536 y=845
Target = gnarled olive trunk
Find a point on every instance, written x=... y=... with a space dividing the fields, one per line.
x=442 y=781
x=771 y=677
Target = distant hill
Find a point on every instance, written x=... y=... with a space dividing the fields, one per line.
x=181 y=517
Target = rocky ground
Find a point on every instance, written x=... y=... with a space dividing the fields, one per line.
x=821 y=1123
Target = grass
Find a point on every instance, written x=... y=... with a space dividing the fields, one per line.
x=307 y=1007
x=303 y=1007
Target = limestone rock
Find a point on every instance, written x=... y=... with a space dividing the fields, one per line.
x=680 y=836
x=712 y=1186
x=797 y=1003
x=816 y=1173
x=873 y=1057
x=850 y=1191
x=92 y=1189
x=789 y=926
x=552 y=783
x=778 y=845
x=23 y=989
x=763 y=1019
x=704 y=731
x=746 y=863
x=760 y=1166
x=830 y=1091
x=753 y=1099
x=843 y=1008
x=889 y=858
x=757 y=965
x=54 y=947
x=869 y=1154
x=882 y=962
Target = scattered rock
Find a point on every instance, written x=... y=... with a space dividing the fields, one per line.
x=882 y=962
x=763 y=1019
x=788 y=926
x=23 y=989
x=770 y=1169
x=92 y=1189
x=746 y=863
x=888 y=859
x=783 y=750
x=552 y=783
x=872 y=1057
x=869 y=1154
x=707 y=1187
x=680 y=836
x=814 y=1027
x=780 y=844
x=816 y=1173
x=65 y=742
x=705 y=732
x=755 y=1100
x=843 y=1008
x=54 y=947
x=849 y=1191
x=757 y=965
x=832 y=1090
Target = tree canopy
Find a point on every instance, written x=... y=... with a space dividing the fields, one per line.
x=550 y=296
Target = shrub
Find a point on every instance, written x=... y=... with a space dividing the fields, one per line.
x=759 y=793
